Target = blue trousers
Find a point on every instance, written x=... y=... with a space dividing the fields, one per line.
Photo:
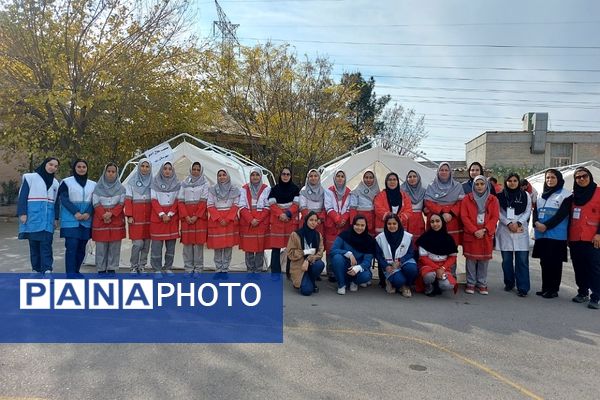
x=340 y=265
x=307 y=285
x=405 y=276
x=40 y=253
x=517 y=270
x=74 y=254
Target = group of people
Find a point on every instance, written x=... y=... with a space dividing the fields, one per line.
x=411 y=230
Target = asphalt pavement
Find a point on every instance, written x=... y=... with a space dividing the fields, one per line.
x=367 y=344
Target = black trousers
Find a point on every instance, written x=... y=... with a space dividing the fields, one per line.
x=586 y=264
x=552 y=253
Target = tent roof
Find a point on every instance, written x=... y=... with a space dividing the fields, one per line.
x=537 y=179
x=380 y=161
x=210 y=156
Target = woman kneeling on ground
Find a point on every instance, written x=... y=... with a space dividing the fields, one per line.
x=394 y=254
x=352 y=255
x=305 y=249
x=437 y=257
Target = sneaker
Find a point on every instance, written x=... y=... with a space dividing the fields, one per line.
x=389 y=288
x=594 y=305
x=470 y=289
x=168 y=272
x=341 y=290
x=483 y=290
x=521 y=293
x=405 y=291
x=550 y=295
x=365 y=285
x=429 y=290
x=580 y=299
x=353 y=287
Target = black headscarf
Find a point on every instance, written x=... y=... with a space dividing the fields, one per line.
x=81 y=179
x=46 y=176
x=439 y=243
x=307 y=235
x=468 y=185
x=394 y=196
x=548 y=191
x=393 y=238
x=284 y=192
x=515 y=198
x=582 y=195
x=363 y=242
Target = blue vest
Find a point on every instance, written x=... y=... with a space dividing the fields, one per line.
x=40 y=205
x=546 y=209
x=81 y=197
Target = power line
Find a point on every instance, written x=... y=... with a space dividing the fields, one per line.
x=471 y=68
x=494 y=46
x=449 y=78
x=422 y=25
x=487 y=90
x=400 y=96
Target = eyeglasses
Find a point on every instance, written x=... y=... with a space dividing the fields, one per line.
x=579 y=177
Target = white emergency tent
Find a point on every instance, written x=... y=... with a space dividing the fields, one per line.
x=537 y=179
x=186 y=150
x=374 y=157
x=211 y=157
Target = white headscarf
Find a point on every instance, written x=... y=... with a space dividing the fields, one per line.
x=448 y=192
x=106 y=188
x=224 y=191
x=141 y=183
x=368 y=192
x=160 y=183
x=313 y=192
x=194 y=181
x=481 y=199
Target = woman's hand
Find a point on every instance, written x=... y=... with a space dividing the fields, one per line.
x=353 y=261
x=447 y=217
x=540 y=227
x=305 y=265
x=130 y=220
x=23 y=218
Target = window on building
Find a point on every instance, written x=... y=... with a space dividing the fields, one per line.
x=561 y=154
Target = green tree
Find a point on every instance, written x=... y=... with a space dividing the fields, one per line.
x=365 y=108
x=95 y=78
x=291 y=111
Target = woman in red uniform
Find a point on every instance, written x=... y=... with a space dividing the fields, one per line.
x=164 y=223
x=390 y=201
x=191 y=201
x=337 y=206
x=437 y=258
x=138 y=207
x=254 y=220
x=584 y=237
x=223 y=225
x=443 y=197
x=479 y=212
x=283 y=203
x=361 y=200
x=108 y=225
x=413 y=187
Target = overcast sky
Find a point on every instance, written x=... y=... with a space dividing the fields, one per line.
x=468 y=66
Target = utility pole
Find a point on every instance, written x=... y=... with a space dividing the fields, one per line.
x=225 y=29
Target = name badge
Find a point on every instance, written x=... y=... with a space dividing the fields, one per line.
x=510 y=213
x=395 y=209
x=576 y=213
x=480 y=218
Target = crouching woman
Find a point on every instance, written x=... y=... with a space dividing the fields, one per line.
x=305 y=251
x=352 y=255
x=394 y=254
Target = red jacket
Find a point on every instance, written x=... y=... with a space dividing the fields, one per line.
x=474 y=248
x=279 y=232
x=160 y=230
x=253 y=239
x=427 y=265
x=140 y=212
x=193 y=233
x=108 y=232
x=586 y=226
x=382 y=208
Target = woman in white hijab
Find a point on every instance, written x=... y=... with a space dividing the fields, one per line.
x=223 y=222
x=164 y=223
x=191 y=201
